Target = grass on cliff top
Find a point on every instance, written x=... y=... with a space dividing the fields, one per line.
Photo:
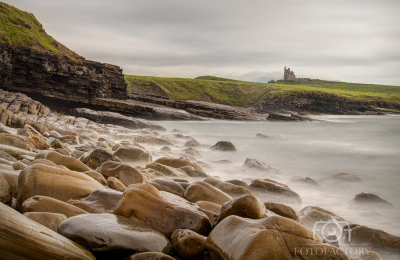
x=241 y=93
x=21 y=29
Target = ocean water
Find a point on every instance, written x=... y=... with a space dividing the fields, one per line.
x=368 y=146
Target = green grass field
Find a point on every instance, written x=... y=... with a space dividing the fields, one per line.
x=241 y=93
x=21 y=29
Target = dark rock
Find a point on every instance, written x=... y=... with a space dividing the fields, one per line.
x=109 y=235
x=133 y=154
x=239 y=183
x=100 y=201
x=346 y=177
x=268 y=136
x=98 y=156
x=163 y=184
x=370 y=200
x=224 y=146
x=274 y=191
x=123 y=172
x=229 y=188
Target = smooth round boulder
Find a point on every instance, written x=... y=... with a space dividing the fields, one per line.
x=272 y=238
x=210 y=206
x=150 y=256
x=370 y=200
x=19 y=165
x=198 y=191
x=232 y=190
x=6 y=156
x=246 y=206
x=178 y=163
x=23 y=238
x=97 y=176
x=47 y=219
x=41 y=179
x=188 y=244
x=224 y=146
x=109 y=235
x=164 y=184
x=15 y=152
x=116 y=184
x=71 y=163
x=100 y=201
x=38 y=143
x=274 y=191
x=97 y=157
x=192 y=172
x=12 y=179
x=282 y=210
x=162 y=211
x=166 y=170
x=123 y=172
x=41 y=203
x=133 y=154
x=374 y=239
x=5 y=191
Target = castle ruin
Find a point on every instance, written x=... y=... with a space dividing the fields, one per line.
x=288 y=74
x=289 y=77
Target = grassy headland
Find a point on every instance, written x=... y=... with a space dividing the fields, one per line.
x=21 y=29
x=241 y=93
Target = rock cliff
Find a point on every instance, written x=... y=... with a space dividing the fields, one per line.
x=57 y=76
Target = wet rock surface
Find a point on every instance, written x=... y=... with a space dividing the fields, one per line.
x=109 y=235
x=224 y=146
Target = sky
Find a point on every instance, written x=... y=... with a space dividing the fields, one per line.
x=341 y=40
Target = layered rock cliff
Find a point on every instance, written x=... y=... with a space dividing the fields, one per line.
x=57 y=76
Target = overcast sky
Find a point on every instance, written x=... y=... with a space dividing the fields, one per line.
x=344 y=40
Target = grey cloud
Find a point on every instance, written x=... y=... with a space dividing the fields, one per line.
x=251 y=40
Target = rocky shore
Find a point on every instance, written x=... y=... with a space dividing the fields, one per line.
x=79 y=188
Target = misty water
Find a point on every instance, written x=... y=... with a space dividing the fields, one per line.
x=368 y=146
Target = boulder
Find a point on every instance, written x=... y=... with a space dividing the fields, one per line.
x=38 y=143
x=162 y=211
x=231 y=189
x=116 y=184
x=150 y=139
x=15 y=152
x=19 y=165
x=370 y=200
x=6 y=156
x=374 y=239
x=71 y=163
x=166 y=170
x=346 y=177
x=41 y=179
x=192 y=172
x=246 y=206
x=100 y=201
x=210 y=206
x=188 y=244
x=23 y=238
x=253 y=164
x=98 y=156
x=164 y=184
x=133 y=154
x=55 y=143
x=41 y=203
x=108 y=235
x=12 y=179
x=239 y=183
x=178 y=163
x=305 y=180
x=15 y=141
x=49 y=220
x=274 y=191
x=224 y=146
x=283 y=210
x=200 y=190
x=5 y=191
x=150 y=256
x=97 y=176
x=123 y=172
x=269 y=238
